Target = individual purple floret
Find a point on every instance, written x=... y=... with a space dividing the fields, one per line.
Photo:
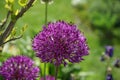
x=19 y=68
x=48 y=78
x=60 y=42
x=109 y=51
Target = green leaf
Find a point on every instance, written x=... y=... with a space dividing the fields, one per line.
x=16 y=12
x=8 y=7
x=9 y=1
x=34 y=2
x=13 y=33
x=24 y=28
x=6 y=1
x=22 y=2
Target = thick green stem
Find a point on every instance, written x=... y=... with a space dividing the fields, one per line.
x=56 y=72
x=44 y=71
x=46 y=12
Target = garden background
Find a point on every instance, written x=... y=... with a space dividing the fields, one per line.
x=98 y=20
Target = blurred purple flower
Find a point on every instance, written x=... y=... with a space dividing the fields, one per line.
x=117 y=63
x=109 y=77
x=48 y=78
x=60 y=41
x=109 y=51
x=19 y=68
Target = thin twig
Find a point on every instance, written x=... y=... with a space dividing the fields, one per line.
x=24 y=9
x=11 y=25
x=11 y=40
x=5 y=21
x=7 y=31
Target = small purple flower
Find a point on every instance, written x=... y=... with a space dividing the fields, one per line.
x=48 y=78
x=109 y=51
x=109 y=77
x=19 y=68
x=60 y=42
x=117 y=63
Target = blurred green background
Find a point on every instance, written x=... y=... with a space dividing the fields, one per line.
x=99 y=20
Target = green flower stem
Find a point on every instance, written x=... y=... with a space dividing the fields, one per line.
x=56 y=72
x=107 y=66
x=44 y=71
x=46 y=12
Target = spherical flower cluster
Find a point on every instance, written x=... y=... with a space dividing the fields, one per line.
x=48 y=78
x=19 y=68
x=59 y=43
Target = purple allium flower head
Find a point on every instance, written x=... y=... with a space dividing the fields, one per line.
x=60 y=42
x=109 y=51
x=48 y=78
x=19 y=68
x=109 y=77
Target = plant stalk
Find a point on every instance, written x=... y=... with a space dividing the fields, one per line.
x=56 y=72
x=46 y=12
